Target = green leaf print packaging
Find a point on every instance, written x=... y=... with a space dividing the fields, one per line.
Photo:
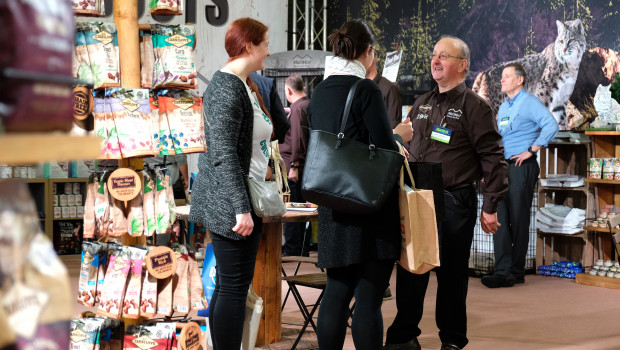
x=184 y=113
x=135 y=218
x=132 y=119
x=173 y=46
x=89 y=207
x=163 y=143
x=161 y=204
x=99 y=122
x=102 y=42
x=148 y=205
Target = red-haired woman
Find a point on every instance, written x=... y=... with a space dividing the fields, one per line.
x=238 y=130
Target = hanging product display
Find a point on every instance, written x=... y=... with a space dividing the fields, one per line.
x=174 y=66
x=183 y=110
x=132 y=121
x=166 y=7
x=101 y=42
x=35 y=88
x=92 y=8
x=147 y=59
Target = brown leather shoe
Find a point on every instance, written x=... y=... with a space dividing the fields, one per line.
x=413 y=344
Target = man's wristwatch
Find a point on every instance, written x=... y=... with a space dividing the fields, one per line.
x=529 y=149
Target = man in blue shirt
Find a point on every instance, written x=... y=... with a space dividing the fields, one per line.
x=526 y=126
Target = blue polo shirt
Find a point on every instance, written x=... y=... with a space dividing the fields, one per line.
x=524 y=121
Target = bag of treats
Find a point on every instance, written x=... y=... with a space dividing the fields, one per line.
x=148 y=297
x=37 y=41
x=102 y=43
x=99 y=123
x=102 y=207
x=89 y=267
x=85 y=333
x=114 y=283
x=180 y=282
x=135 y=218
x=148 y=205
x=163 y=143
x=132 y=120
x=81 y=65
x=89 y=207
x=147 y=59
x=93 y=8
x=131 y=303
x=162 y=204
x=197 y=299
x=164 y=296
x=184 y=113
x=117 y=216
x=170 y=198
x=173 y=46
x=166 y=7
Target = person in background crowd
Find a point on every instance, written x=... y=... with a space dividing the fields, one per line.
x=237 y=128
x=273 y=104
x=391 y=94
x=526 y=126
x=358 y=251
x=293 y=152
x=453 y=125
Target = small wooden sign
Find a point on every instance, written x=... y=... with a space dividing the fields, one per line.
x=124 y=184
x=190 y=336
x=161 y=262
x=82 y=102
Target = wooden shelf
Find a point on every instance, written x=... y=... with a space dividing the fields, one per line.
x=554 y=188
x=67 y=219
x=35 y=148
x=567 y=143
x=68 y=179
x=597 y=281
x=604 y=133
x=580 y=234
x=35 y=180
x=603 y=181
x=600 y=229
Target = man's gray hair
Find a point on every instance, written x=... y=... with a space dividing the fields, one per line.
x=519 y=70
x=463 y=49
x=295 y=82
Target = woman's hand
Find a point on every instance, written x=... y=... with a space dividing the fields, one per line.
x=244 y=225
x=405 y=130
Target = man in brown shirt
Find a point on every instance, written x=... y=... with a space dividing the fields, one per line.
x=454 y=126
x=293 y=151
x=391 y=95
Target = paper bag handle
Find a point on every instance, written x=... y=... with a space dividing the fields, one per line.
x=406 y=166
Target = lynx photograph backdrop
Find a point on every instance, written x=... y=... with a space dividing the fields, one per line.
x=567 y=47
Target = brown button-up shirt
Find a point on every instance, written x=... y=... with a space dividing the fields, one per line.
x=391 y=97
x=296 y=140
x=473 y=148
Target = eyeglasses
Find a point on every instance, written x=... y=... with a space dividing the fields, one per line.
x=377 y=52
x=443 y=56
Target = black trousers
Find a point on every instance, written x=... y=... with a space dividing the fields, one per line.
x=455 y=237
x=235 y=262
x=294 y=231
x=513 y=236
x=367 y=282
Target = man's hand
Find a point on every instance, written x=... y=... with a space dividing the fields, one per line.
x=293 y=174
x=489 y=222
x=521 y=157
x=244 y=225
x=405 y=130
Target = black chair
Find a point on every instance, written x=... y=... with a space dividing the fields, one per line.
x=310 y=280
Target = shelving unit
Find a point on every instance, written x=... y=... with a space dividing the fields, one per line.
x=565 y=158
x=40 y=147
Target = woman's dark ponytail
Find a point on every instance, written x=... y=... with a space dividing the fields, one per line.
x=352 y=39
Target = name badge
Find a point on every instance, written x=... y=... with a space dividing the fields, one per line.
x=441 y=134
x=504 y=121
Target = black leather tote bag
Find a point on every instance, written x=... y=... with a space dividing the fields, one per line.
x=346 y=175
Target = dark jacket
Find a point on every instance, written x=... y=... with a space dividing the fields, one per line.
x=271 y=100
x=346 y=239
x=220 y=191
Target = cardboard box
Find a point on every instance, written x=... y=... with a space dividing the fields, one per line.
x=82 y=168
x=53 y=170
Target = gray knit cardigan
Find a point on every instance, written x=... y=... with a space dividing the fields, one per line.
x=220 y=191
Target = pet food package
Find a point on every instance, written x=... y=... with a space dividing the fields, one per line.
x=89 y=267
x=183 y=110
x=132 y=120
x=85 y=333
x=99 y=123
x=196 y=292
x=135 y=218
x=102 y=207
x=180 y=281
x=147 y=59
x=148 y=297
x=148 y=205
x=161 y=204
x=102 y=43
x=166 y=7
x=131 y=302
x=92 y=8
x=89 y=206
x=117 y=216
x=173 y=46
x=81 y=63
x=152 y=337
x=103 y=259
x=162 y=140
x=164 y=296
x=114 y=283
x=28 y=29
x=170 y=199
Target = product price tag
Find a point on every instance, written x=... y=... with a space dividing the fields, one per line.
x=124 y=184
x=190 y=336
x=161 y=262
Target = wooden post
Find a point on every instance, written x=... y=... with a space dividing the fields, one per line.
x=126 y=20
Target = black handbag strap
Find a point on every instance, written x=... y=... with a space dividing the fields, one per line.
x=345 y=114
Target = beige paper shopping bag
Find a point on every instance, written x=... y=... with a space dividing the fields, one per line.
x=420 y=244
